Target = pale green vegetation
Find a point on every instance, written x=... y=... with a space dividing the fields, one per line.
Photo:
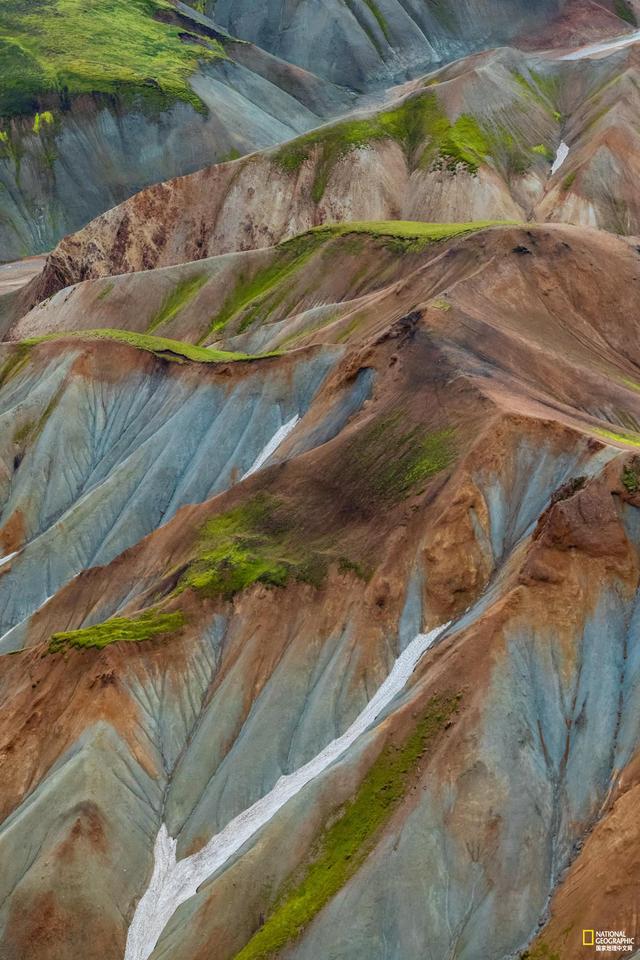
x=419 y=125
x=182 y=294
x=625 y=11
x=64 y=48
x=164 y=347
x=544 y=151
x=631 y=439
x=390 y=460
x=344 y=845
x=17 y=358
x=405 y=234
x=147 y=625
x=259 y=541
x=41 y=120
x=254 y=297
x=253 y=543
x=381 y=20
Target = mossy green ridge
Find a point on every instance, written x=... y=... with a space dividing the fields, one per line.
x=419 y=125
x=150 y=624
x=64 y=48
x=254 y=298
x=632 y=440
x=175 y=350
x=259 y=294
x=389 y=462
x=344 y=846
x=404 y=235
x=182 y=294
x=254 y=543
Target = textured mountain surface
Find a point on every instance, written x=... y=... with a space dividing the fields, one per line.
x=100 y=100
x=465 y=404
x=320 y=485
x=360 y=43
x=502 y=135
x=67 y=156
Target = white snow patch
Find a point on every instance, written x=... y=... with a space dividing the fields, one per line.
x=173 y=882
x=561 y=156
x=279 y=437
x=8 y=557
x=617 y=44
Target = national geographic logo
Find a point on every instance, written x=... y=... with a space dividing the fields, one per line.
x=607 y=941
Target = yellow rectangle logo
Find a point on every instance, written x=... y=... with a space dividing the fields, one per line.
x=588 y=938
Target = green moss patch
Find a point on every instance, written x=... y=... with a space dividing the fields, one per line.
x=419 y=125
x=386 y=461
x=381 y=20
x=182 y=294
x=262 y=541
x=631 y=476
x=64 y=48
x=30 y=430
x=624 y=10
x=150 y=624
x=163 y=347
x=17 y=359
x=544 y=151
x=256 y=296
x=107 y=290
x=344 y=846
x=42 y=120
x=257 y=542
x=404 y=235
x=540 y=87
x=632 y=439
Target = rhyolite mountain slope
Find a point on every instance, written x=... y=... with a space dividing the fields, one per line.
x=98 y=100
x=456 y=412
x=319 y=521
x=360 y=43
x=481 y=139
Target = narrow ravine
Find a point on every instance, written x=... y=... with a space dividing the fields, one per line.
x=173 y=882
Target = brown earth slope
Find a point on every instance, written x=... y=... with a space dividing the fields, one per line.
x=474 y=141
x=467 y=456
